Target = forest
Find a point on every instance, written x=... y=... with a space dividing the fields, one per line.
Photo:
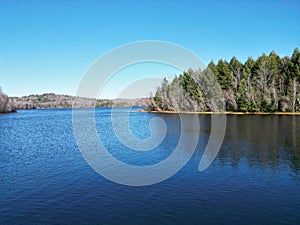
x=268 y=84
x=51 y=100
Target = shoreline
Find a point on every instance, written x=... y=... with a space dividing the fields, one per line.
x=222 y=113
x=182 y=112
x=4 y=113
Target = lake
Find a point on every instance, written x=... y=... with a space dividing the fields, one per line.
x=44 y=179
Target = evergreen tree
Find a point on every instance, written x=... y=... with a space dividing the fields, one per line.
x=269 y=83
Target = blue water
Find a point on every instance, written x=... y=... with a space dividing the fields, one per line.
x=44 y=179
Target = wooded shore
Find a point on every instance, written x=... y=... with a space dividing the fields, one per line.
x=220 y=113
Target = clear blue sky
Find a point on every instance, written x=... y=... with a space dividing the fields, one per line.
x=46 y=46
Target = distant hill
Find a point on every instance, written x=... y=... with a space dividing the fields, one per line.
x=51 y=100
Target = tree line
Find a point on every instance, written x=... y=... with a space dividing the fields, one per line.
x=268 y=84
x=51 y=100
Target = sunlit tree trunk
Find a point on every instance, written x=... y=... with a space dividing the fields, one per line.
x=294 y=94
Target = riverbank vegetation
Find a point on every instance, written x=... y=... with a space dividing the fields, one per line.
x=268 y=84
x=5 y=104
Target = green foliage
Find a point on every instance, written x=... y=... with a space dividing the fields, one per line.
x=267 y=84
x=295 y=64
x=104 y=103
x=43 y=99
x=224 y=75
x=190 y=86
